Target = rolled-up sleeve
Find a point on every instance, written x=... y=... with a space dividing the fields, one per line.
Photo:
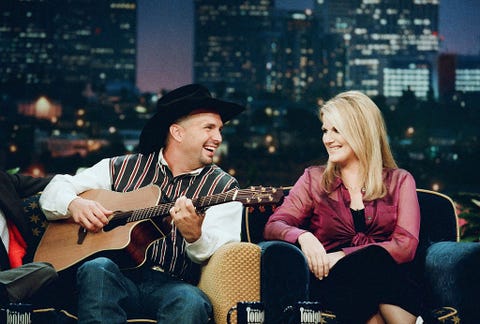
x=222 y=224
x=62 y=189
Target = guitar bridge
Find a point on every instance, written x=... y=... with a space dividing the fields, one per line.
x=82 y=233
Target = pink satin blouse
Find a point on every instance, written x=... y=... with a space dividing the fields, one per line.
x=392 y=221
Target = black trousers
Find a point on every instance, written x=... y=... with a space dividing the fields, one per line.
x=362 y=280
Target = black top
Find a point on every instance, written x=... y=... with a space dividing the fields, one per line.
x=359 y=220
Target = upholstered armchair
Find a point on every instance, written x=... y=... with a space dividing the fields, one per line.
x=447 y=267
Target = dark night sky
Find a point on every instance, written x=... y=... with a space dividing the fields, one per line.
x=165 y=37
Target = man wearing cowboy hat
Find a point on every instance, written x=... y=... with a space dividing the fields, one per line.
x=177 y=146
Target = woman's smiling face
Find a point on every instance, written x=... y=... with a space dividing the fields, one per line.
x=339 y=151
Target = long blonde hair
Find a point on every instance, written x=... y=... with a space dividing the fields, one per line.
x=358 y=119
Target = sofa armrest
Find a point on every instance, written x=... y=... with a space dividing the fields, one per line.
x=451 y=274
x=231 y=275
x=285 y=278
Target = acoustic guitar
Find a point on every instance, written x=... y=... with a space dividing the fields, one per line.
x=138 y=221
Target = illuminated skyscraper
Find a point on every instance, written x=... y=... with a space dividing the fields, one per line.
x=467 y=74
x=409 y=75
x=229 y=42
x=52 y=44
x=459 y=75
x=377 y=33
x=292 y=67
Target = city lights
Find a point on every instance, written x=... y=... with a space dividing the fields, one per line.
x=410 y=131
x=81 y=103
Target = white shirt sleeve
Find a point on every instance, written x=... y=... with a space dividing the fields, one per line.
x=62 y=189
x=222 y=224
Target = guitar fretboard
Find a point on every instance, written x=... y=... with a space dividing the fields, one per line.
x=164 y=209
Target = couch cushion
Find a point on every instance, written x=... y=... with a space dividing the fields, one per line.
x=253 y=222
x=255 y=217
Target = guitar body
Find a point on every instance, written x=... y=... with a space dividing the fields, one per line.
x=59 y=244
x=137 y=223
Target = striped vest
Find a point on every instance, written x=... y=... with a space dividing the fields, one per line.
x=130 y=172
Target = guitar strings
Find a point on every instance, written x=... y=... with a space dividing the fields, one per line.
x=163 y=209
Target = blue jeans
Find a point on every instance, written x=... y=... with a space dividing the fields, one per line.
x=107 y=295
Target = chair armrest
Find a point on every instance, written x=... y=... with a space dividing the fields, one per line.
x=285 y=278
x=231 y=275
x=451 y=273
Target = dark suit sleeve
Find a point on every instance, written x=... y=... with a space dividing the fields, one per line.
x=27 y=185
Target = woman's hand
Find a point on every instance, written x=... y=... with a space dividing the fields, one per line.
x=317 y=258
x=334 y=257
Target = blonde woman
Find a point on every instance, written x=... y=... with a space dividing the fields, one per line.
x=356 y=219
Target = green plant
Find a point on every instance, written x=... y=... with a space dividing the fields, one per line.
x=469 y=216
x=13 y=171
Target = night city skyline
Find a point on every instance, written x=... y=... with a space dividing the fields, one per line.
x=87 y=85
x=165 y=37
x=96 y=116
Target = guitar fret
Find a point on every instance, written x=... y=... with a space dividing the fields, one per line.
x=161 y=210
x=149 y=212
x=248 y=197
x=214 y=200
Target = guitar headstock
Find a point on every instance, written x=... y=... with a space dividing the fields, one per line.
x=258 y=195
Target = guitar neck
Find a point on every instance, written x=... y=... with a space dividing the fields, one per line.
x=162 y=210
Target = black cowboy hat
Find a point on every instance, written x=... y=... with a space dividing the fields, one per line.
x=179 y=103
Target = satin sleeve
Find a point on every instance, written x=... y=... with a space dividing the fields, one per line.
x=286 y=222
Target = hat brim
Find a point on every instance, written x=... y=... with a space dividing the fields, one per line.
x=154 y=133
